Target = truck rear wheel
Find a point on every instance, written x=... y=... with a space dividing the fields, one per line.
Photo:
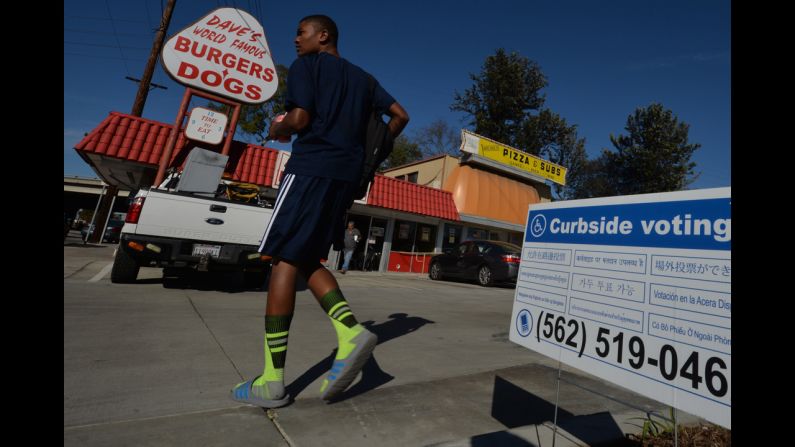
x=125 y=269
x=257 y=280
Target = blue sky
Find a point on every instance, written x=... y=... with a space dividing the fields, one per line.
x=602 y=60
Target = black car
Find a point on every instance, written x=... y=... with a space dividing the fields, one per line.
x=112 y=231
x=67 y=225
x=486 y=262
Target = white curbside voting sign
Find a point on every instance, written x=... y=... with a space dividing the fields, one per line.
x=635 y=290
x=224 y=53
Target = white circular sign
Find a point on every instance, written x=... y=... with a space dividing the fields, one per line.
x=224 y=53
x=206 y=125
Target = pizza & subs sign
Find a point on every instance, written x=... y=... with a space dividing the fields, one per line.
x=224 y=53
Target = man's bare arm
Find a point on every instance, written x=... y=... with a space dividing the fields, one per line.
x=398 y=118
x=294 y=122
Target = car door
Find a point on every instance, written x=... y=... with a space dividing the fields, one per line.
x=447 y=261
x=472 y=259
x=458 y=266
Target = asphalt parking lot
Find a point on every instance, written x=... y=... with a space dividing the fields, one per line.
x=152 y=363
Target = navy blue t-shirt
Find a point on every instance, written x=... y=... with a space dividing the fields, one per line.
x=335 y=94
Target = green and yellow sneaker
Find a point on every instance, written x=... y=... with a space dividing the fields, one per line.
x=260 y=393
x=354 y=349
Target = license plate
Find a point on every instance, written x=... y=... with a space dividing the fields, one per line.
x=212 y=250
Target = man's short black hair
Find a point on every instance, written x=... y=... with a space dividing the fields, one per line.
x=324 y=23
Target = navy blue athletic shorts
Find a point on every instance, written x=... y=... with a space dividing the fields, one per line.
x=308 y=218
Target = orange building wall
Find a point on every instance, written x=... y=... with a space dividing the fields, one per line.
x=481 y=193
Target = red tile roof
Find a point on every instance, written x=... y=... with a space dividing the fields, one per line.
x=141 y=140
x=388 y=192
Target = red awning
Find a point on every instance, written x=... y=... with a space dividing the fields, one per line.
x=137 y=139
x=388 y=192
x=140 y=140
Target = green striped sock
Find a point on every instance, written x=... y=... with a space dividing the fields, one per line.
x=337 y=308
x=277 y=328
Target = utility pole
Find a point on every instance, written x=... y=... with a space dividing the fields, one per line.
x=137 y=110
x=160 y=36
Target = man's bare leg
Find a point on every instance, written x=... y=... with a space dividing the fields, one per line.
x=354 y=342
x=268 y=390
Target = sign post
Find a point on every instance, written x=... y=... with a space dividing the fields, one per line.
x=635 y=290
x=225 y=56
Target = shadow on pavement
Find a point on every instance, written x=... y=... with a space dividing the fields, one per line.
x=82 y=245
x=372 y=374
x=502 y=439
x=229 y=282
x=514 y=407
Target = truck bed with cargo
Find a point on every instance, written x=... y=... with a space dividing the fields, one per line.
x=181 y=228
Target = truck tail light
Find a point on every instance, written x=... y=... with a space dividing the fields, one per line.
x=134 y=213
x=513 y=259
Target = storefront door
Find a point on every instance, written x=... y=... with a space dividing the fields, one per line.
x=452 y=236
x=374 y=245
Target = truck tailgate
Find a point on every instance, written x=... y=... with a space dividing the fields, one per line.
x=202 y=219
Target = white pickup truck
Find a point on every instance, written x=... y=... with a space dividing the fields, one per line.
x=177 y=229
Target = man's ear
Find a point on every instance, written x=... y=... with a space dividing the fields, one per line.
x=324 y=37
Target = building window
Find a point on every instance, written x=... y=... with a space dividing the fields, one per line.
x=477 y=233
x=413 y=237
x=412 y=177
x=401 y=177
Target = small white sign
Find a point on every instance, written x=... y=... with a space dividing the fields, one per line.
x=206 y=125
x=225 y=53
x=635 y=290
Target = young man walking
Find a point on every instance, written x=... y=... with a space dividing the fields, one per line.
x=328 y=99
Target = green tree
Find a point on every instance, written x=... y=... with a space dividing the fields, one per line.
x=404 y=151
x=505 y=104
x=438 y=138
x=502 y=96
x=594 y=180
x=255 y=120
x=653 y=157
x=549 y=136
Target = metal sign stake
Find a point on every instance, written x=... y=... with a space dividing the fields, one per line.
x=557 y=399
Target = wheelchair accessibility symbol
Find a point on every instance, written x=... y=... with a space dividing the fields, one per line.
x=538 y=225
x=524 y=322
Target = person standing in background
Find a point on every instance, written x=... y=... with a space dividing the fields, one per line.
x=352 y=237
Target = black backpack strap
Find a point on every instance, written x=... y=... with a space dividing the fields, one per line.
x=371 y=82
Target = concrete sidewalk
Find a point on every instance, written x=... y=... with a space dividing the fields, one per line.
x=146 y=364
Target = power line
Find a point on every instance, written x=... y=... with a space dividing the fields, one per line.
x=104 y=19
x=72 y=30
x=100 y=57
x=148 y=15
x=113 y=25
x=105 y=46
